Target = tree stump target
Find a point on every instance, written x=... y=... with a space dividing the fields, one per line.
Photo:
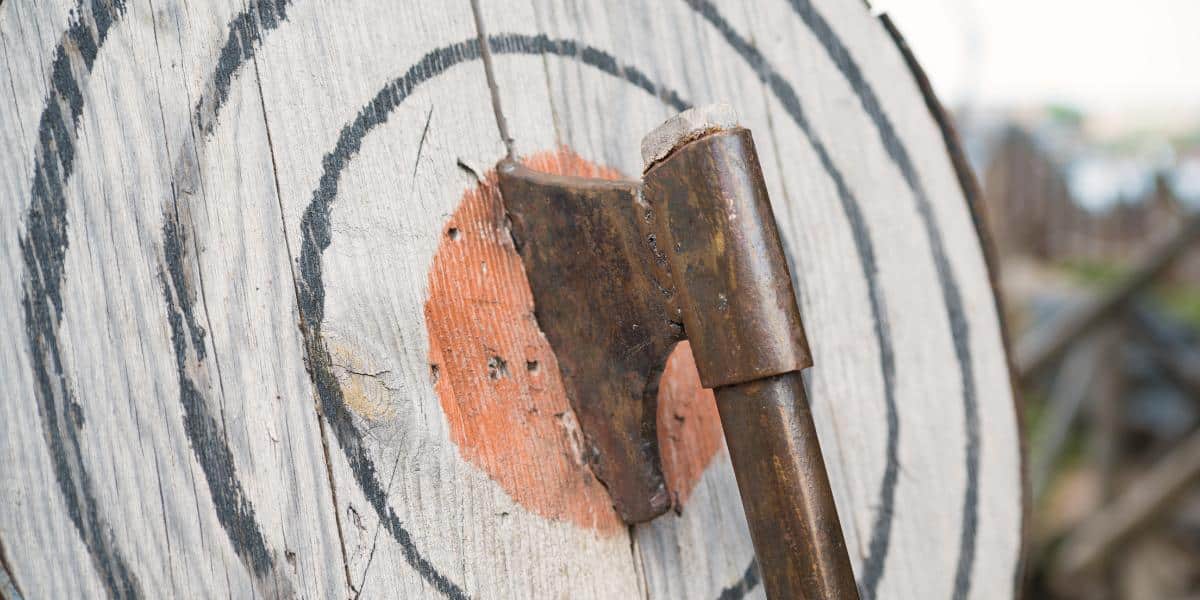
x=267 y=334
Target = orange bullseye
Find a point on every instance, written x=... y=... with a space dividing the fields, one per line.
x=498 y=381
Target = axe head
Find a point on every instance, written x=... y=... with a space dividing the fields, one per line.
x=604 y=298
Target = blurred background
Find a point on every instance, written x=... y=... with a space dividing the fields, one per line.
x=1082 y=121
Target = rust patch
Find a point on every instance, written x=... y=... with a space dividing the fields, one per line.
x=498 y=380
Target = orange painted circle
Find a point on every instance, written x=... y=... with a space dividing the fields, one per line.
x=498 y=381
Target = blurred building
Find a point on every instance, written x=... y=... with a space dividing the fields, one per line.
x=1050 y=195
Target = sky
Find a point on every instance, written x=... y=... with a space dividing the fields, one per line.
x=1102 y=56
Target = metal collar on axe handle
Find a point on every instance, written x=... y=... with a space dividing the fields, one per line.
x=623 y=270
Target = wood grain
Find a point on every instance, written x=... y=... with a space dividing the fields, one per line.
x=226 y=286
x=855 y=201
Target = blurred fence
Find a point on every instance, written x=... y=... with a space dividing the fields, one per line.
x=1111 y=377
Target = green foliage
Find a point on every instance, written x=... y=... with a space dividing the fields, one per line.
x=1182 y=301
x=1065 y=115
x=1093 y=274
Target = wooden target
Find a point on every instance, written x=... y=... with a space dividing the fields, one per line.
x=266 y=333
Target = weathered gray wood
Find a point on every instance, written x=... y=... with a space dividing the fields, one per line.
x=445 y=522
x=700 y=53
x=172 y=454
x=295 y=353
x=554 y=100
